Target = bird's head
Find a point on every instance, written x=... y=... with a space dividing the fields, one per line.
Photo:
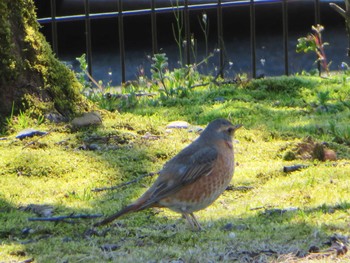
x=220 y=129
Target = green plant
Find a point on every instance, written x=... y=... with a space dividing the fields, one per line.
x=21 y=121
x=81 y=76
x=159 y=68
x=104 y=96
x=323 y=97
x=204 y=24
x=341 y=134
x=313 y=42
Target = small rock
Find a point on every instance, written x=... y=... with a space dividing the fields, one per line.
x=55 y=117
x=27 y=231
x=88 y=119
x=228 y=227
x=178 y=125
x=196 y=129
x=29 y=133
x=93 y=147
x=109 y=247
x=40 y=210
x=232 y=235
x=149 y=136
x=219 y=99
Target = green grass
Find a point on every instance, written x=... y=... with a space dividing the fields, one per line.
x=277 y=114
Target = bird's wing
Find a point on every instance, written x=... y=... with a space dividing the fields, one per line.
x=182 y=171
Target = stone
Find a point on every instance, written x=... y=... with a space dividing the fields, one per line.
x=55 y=117
x=29 y=133
x=178 y=125
x=88 y=119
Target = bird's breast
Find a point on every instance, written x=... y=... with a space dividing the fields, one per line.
x=205 y=190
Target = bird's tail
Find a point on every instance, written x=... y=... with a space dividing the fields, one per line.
x=137 y=206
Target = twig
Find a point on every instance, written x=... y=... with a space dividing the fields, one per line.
x=29 y=260
x=239 y=188
x=288 y=169
x=145 y=94
x=338 y=9
x=123 y=184
x=62 y=218
x=93 y=80
x=200 y=85
x=32 y=142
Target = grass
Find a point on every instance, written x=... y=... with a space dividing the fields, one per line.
x=271 y=217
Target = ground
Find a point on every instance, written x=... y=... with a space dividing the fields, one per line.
x=266 y=215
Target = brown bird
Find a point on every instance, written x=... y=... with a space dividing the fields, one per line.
x=194 y=178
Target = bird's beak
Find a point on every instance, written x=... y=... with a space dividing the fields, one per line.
x=236 y=127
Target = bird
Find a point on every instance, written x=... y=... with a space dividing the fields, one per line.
x=194 y=178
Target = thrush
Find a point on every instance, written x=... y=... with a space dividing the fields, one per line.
x=194 y=178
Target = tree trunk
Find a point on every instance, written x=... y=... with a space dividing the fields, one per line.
x=346 y=15
x=31 y=77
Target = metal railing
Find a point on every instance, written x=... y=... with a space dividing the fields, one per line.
x=185 y=8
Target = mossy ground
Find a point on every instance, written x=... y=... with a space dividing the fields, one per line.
x=244 y=224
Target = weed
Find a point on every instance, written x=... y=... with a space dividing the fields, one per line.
x=323 y=98
x=313 y=42
x=23 y=120
x=159 y=68
x=341 y=134
x=81 y=76
x=204 y=24
x=178 y=30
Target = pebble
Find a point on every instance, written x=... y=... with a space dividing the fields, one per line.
x=88 y=119
x=232 y=235
x=178 y=125
x=29 y=133
x=55 y=117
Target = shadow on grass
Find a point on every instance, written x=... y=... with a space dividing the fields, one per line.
x=255 y=236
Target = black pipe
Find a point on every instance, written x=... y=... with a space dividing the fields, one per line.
x=285 y=36
x=187 y=34
x=220 y=39
x=88 y=36
x=253 y=37
x=154 y=28
x=54 y=27
x=121 y=40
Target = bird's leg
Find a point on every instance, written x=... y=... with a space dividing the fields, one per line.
x=195 y=222
x=189 y=220
x=192 y=221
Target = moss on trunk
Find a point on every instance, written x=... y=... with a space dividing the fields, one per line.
x=31 y=77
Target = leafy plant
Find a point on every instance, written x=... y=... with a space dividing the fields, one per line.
x=323 y=97
x=159 y=68
x=341 y=134
x=81 y=76
x=313 y=42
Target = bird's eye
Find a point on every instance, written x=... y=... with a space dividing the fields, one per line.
x=230 y=130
